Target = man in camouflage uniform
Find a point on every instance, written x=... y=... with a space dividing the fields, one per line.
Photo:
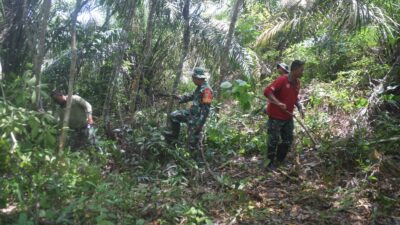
x=196 y=116
x=80 y=120
x=283 y=96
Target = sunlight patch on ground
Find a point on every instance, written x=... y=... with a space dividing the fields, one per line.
x=9 y=209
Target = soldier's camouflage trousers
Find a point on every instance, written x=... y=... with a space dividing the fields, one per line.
x=194 y=133
x=280 y=137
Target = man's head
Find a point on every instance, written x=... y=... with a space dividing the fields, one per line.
x=282 y=68
x=198 y=76
x=58 y=97
x=297 y=68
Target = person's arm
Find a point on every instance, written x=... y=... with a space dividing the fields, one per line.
x=87 y=106
x=206 y=99
x=185 y=98
x=269 y=92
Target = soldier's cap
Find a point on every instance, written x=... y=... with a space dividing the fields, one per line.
x=283 y=66
x=198 y=72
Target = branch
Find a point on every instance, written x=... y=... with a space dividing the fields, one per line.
x=2 y=89
x=15 y=143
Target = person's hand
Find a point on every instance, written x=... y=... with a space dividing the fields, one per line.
x=90 y=120
x=282 y=106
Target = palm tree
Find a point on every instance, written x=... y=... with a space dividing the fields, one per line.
x=338 y=16
x=209 y=40
x=227 y=46
x=41 y=39
x=129 y=9
x=16 y=29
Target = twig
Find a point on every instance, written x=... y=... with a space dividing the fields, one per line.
x=234 y=220
x=2 y=89
x=207 y=165
x=238 y=174
x=2 y=8
x=15 y=143
x=289 y=177
x=306 y=130
x=213 y=175
x=392 y=139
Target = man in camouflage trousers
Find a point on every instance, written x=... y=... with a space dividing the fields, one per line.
x=283 y=96
x=196 y=116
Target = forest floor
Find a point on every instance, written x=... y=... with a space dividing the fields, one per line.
x=301 y=193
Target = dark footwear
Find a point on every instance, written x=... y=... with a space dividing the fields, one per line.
x=170 y=138
x=283 y=149
x=271 y=167
x=287 y=164
x=284 y=165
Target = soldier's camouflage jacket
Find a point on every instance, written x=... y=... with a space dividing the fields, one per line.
x=201 y=100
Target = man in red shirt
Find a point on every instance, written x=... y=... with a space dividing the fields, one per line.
x=283 y=96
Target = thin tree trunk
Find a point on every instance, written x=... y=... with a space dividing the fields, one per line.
x=225 y=51
x=14 y=44
x=185 y=49
x=72 y=72
x=147 y=52
x=118 y=63
x=41 y=40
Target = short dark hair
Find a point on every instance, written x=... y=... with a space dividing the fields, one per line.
x=56 y=93
x=296 y=64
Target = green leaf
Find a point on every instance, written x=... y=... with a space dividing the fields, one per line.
x=31 y=81
x=241 y=82
x=105 y=222
x=373 y=178
x=140 y=222
x=49 y=139
x=226 y=85
x=34 y=125
x=33 y=97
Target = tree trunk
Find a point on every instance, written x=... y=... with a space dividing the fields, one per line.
x=118 y=63
x=14 y=45
x=40 y=52
x=225 y=51
x=185 y=50
x=147 y=52
x=72 y=72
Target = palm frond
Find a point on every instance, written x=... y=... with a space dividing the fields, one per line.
x=270 y=33
x=210 y=37
x=345 y=15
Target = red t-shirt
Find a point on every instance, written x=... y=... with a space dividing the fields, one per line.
x=285 y=92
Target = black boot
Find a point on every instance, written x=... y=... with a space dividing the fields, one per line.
x=283 y=149
x=271 y=157
x=173 y=133
x=175 y=129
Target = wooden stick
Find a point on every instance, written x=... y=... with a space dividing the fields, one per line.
x=301 y=124
x=305 y=129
